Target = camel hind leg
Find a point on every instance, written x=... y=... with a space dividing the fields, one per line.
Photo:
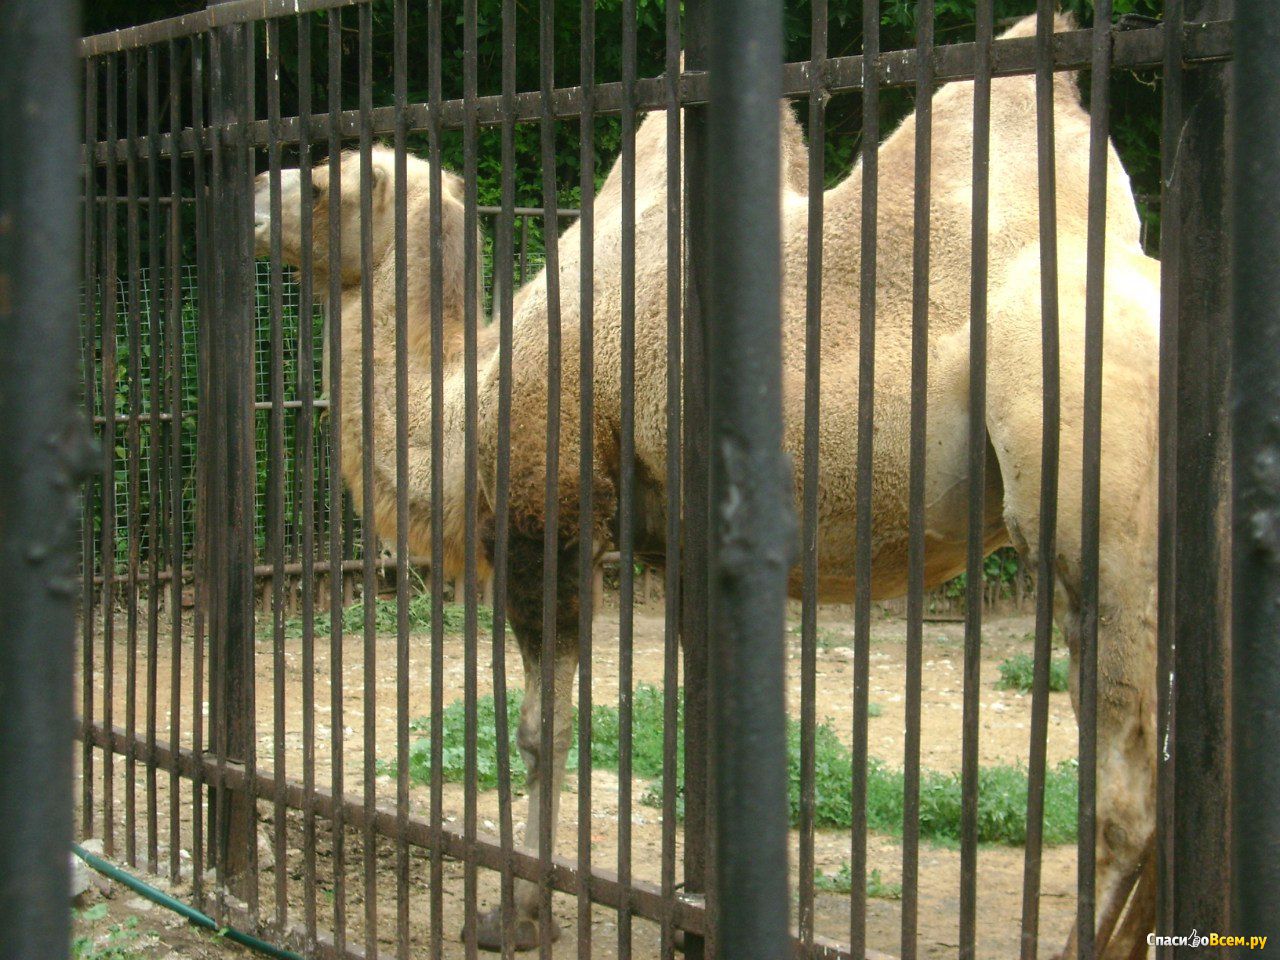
x=1126 y=643
x=545 y=774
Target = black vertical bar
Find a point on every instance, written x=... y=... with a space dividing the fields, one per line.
x=627 y=474
x=470 y=324
x=155 y=497
x=694 y=610
x=977 y=480
x=368 y=545
x=812 y=416
x=276 y=466
x=336 y=401
x=44 y=451
x=751 y=486
x=671 y=610
x=1255 y=714
x=108 y=299
x=586 y=505
x=1091 y=479
x=90 y=332
x=1166 y=569
x=231 y=525
x=435 y=218
x=173 y=299
x=307 y=468
x=400 y=80
x=915 y=529
x=1049 y=450
x=203 y=282
x=862 y=521
x=505 y=264
x=551 y=498
x=133 y=452
x=1200 y=741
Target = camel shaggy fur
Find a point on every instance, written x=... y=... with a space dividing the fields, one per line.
x=1126 y=689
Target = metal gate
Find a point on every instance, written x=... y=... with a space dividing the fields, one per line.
x=921 y=376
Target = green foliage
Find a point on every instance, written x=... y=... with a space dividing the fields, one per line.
x=1017 y=673
x=118 y=943
x=842 y=882
x=385 y=616
x=1002 y=798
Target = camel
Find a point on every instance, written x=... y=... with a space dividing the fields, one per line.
x=1126 y=657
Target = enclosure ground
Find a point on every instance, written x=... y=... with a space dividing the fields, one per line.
x=1004 y=738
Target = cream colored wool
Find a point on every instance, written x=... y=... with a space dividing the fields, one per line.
x=1126 y=723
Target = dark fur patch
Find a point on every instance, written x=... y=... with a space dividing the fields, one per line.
x=525 y=587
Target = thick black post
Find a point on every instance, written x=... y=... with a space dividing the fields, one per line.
x=754 y=534
x=227 y=450
x=42 y=451
x=1200 y=743
x=1256 y=464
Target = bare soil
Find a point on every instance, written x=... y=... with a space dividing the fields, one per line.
x=1004 y=738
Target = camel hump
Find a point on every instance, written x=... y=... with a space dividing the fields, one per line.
x=1026 y=27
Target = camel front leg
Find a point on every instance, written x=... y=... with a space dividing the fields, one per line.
x=545 y=773
x=1126 y=775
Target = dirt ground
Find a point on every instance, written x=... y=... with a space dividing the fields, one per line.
x=1004 y=738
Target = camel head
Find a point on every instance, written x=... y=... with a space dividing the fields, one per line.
x=344 y=195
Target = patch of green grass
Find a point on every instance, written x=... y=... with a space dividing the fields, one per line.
x=842 y=882
x=826 y=638
x=1002 y=796
x=118 y=943
x=1018 y=671
x=384 y=617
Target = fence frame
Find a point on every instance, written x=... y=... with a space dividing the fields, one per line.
x=1192 y=499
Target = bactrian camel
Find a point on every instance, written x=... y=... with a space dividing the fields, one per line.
x=1126 y=655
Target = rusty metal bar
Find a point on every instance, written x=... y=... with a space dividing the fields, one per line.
x=671 y=608
x=400 y=187
x=627 y=475
x=865 y=461
x=696 y=497
x=368 y=545
x=275 y=460
x=915 y=529
x=977 y=457
x=1049 y=455
x=504 y=308
x=306 y=466
x=1200 y=742
x=89 y=372
x=586 y=448
x=334 y=307
x=1087 y=934
x=154 y=464
x=812 y=418
x=1134 y=50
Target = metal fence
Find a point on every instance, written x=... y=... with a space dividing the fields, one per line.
x=934 y=387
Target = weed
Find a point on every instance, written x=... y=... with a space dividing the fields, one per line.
x=117 y=944
x=842 y=882
x=1018 y=671
x=1002 y=789
x=385 y=617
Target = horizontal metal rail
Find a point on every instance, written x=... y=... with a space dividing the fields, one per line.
x=644 y=899
x=1134 y=49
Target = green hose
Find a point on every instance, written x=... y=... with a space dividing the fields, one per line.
x=178 y=907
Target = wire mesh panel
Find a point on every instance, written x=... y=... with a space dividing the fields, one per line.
x=417 y=335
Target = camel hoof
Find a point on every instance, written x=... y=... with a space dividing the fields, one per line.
x=524 y=932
